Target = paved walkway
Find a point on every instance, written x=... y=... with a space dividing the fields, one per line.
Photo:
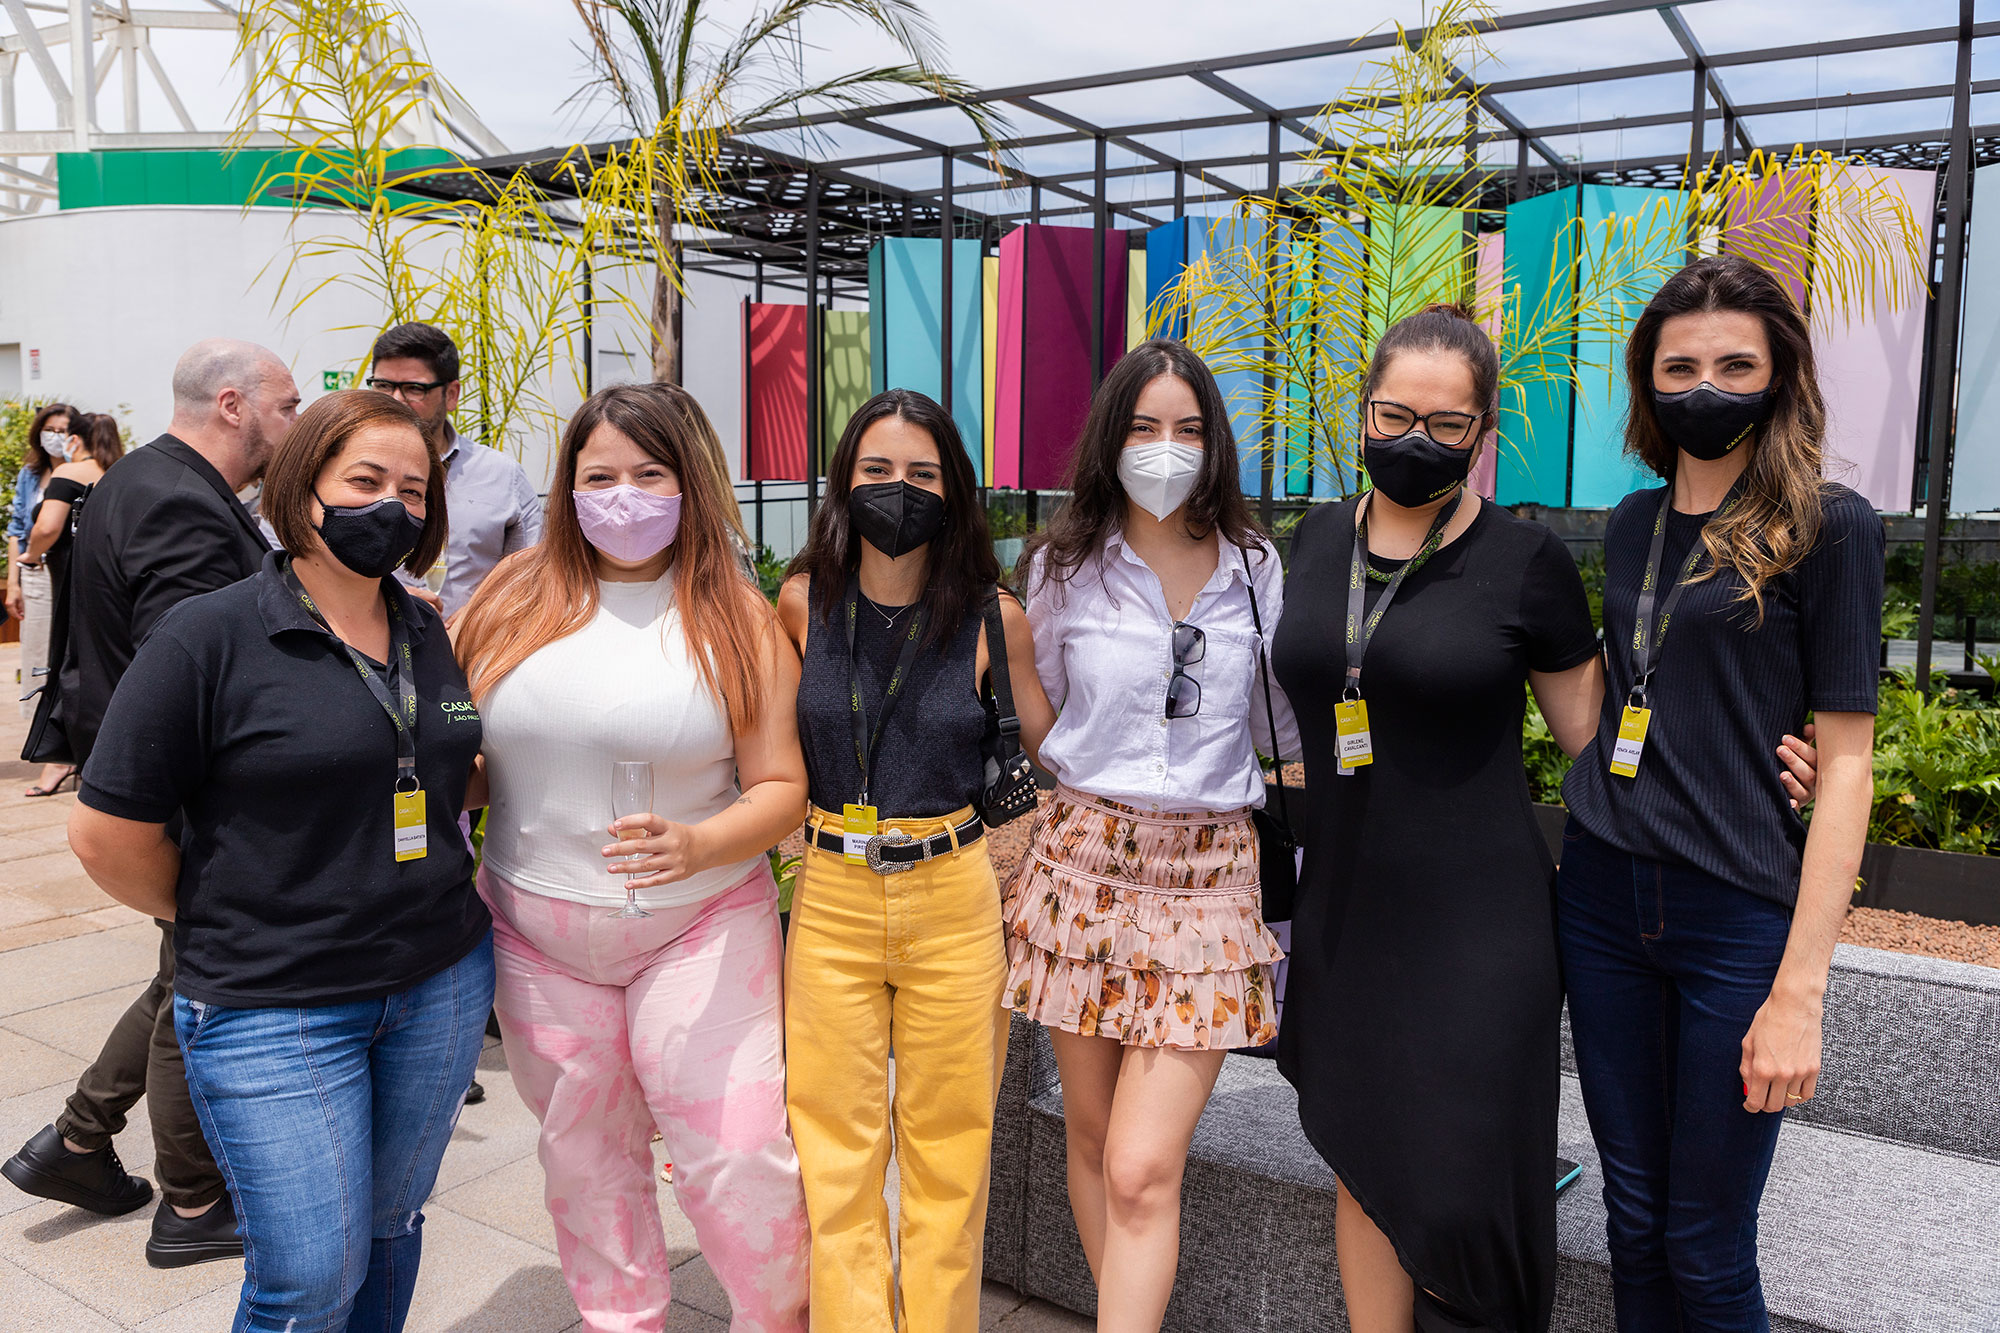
x=70 y=961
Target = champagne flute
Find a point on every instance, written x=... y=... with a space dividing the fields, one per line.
x=434 y=576
x=631 y=794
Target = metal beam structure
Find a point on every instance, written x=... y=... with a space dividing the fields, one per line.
x=104 y=37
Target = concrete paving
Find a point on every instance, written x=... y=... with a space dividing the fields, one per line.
x=70 y=960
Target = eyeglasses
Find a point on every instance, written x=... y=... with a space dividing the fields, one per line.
x=1183 y=690
x=404 y=388
x=1387 y=421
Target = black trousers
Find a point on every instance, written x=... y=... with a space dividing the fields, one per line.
x=141 y=1058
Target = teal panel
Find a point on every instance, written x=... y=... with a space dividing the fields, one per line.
x=1625 y=274
x=1540 y=289
x=1975 y=470
x=1232 y=244
x=878 y=367
x=906 y=328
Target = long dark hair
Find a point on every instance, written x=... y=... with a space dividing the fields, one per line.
x=1778 y=521
x=961 y=564
x=1096 y=504
x=37 y=457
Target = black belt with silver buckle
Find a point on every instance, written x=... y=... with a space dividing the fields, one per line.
x=895 y=851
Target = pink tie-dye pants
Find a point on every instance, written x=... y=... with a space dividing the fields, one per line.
x=613 y=1027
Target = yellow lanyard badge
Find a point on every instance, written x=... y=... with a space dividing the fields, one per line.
x=1350 y=715
x=858 y=824
x=412 y=826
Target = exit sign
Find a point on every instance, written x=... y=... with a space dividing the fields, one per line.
x=336 y=379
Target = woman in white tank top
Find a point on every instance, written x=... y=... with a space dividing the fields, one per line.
x=628 y=634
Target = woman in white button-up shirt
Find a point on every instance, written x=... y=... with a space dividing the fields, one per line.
x=1133 y=925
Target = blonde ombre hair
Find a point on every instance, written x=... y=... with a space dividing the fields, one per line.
x=1783 y=504
x=549 y=591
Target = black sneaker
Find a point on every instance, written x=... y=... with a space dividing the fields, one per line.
x=94 y=1180
x=179 y=1241
x=475 y=1094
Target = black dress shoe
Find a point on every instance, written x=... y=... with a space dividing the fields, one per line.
x=179 y=1241
x=94 y=1180
x=475 y=1094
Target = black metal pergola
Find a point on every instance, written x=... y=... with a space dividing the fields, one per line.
x=795 y=204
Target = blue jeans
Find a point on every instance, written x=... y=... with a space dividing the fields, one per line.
x=329 y=1124
x=1666 y=967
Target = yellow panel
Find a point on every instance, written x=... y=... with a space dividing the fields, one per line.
x=1135 y=296
x=991 y=271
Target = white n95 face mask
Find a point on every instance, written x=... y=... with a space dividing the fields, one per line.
x=1159 y=474
x=55 y=444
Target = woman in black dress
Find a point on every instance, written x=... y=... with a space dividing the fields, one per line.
x=1424 y=998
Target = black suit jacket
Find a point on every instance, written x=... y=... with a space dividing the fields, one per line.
x=163 y=526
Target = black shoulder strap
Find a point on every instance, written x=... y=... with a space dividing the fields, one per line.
x=1264 y=672
x=996 y=664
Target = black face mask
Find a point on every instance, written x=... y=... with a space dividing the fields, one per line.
x=1709 y=422
x=370 y=539
x=1414 y=470
x=895 y=517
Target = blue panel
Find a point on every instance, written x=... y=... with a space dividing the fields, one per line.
x=1975 y=469
x=1535 y=417
x=907 y=316
x=1600 y=475
x=1166 y=256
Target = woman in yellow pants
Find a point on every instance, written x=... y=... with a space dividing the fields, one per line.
x=895 y=936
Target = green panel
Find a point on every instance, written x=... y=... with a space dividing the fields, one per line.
x=844 y=370
x=1416 y=255
x=127 y=177
x=1540 y=286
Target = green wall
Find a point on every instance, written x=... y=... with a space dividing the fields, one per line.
x=145 y=176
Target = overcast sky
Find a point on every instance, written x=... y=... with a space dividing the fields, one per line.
x=517 y=62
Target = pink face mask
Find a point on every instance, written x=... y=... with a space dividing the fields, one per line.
x=627 y=523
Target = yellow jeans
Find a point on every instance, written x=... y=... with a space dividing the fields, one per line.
x=915 y=959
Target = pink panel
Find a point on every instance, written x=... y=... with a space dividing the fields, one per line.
x=1763 y=217
x=1487 y=296
x=1007 y=362
x=1055 y=361
x=774 y=408
x=1871 y=364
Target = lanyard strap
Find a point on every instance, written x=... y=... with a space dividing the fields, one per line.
x=866 y=744
x=402 y=710
x=1360 y=627
x=1649 y=640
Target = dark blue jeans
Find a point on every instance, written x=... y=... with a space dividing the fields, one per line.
x=329 y=1124
x=1666 y=967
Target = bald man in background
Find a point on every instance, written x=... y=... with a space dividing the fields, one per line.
x=163 y=526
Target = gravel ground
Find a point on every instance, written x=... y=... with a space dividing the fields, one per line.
x=1902 y=932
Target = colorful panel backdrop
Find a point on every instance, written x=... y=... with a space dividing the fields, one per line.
x=774 y=392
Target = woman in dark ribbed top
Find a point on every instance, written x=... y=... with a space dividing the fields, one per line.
x=884 y=605
x=1696 y=912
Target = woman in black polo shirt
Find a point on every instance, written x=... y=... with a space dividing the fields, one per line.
x=1696 y=913
x=310 y=727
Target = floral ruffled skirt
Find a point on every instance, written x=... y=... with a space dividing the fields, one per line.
x=1143 y=927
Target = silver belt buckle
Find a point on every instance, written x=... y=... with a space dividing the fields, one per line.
x=893 y=838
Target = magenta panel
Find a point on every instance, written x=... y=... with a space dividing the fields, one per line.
x=1006 y=405
x=774 y=407
x=1487 y=305
x=1043 y=365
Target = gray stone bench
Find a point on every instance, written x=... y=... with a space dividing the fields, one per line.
x=1882 y=1216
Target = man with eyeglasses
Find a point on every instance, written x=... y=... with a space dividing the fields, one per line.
x=493 y=506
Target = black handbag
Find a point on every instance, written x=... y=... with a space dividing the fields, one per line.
x=1008 y=789
x=1277 y=838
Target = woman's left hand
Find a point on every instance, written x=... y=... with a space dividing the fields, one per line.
x=1781 y=1054
x=666 y=854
